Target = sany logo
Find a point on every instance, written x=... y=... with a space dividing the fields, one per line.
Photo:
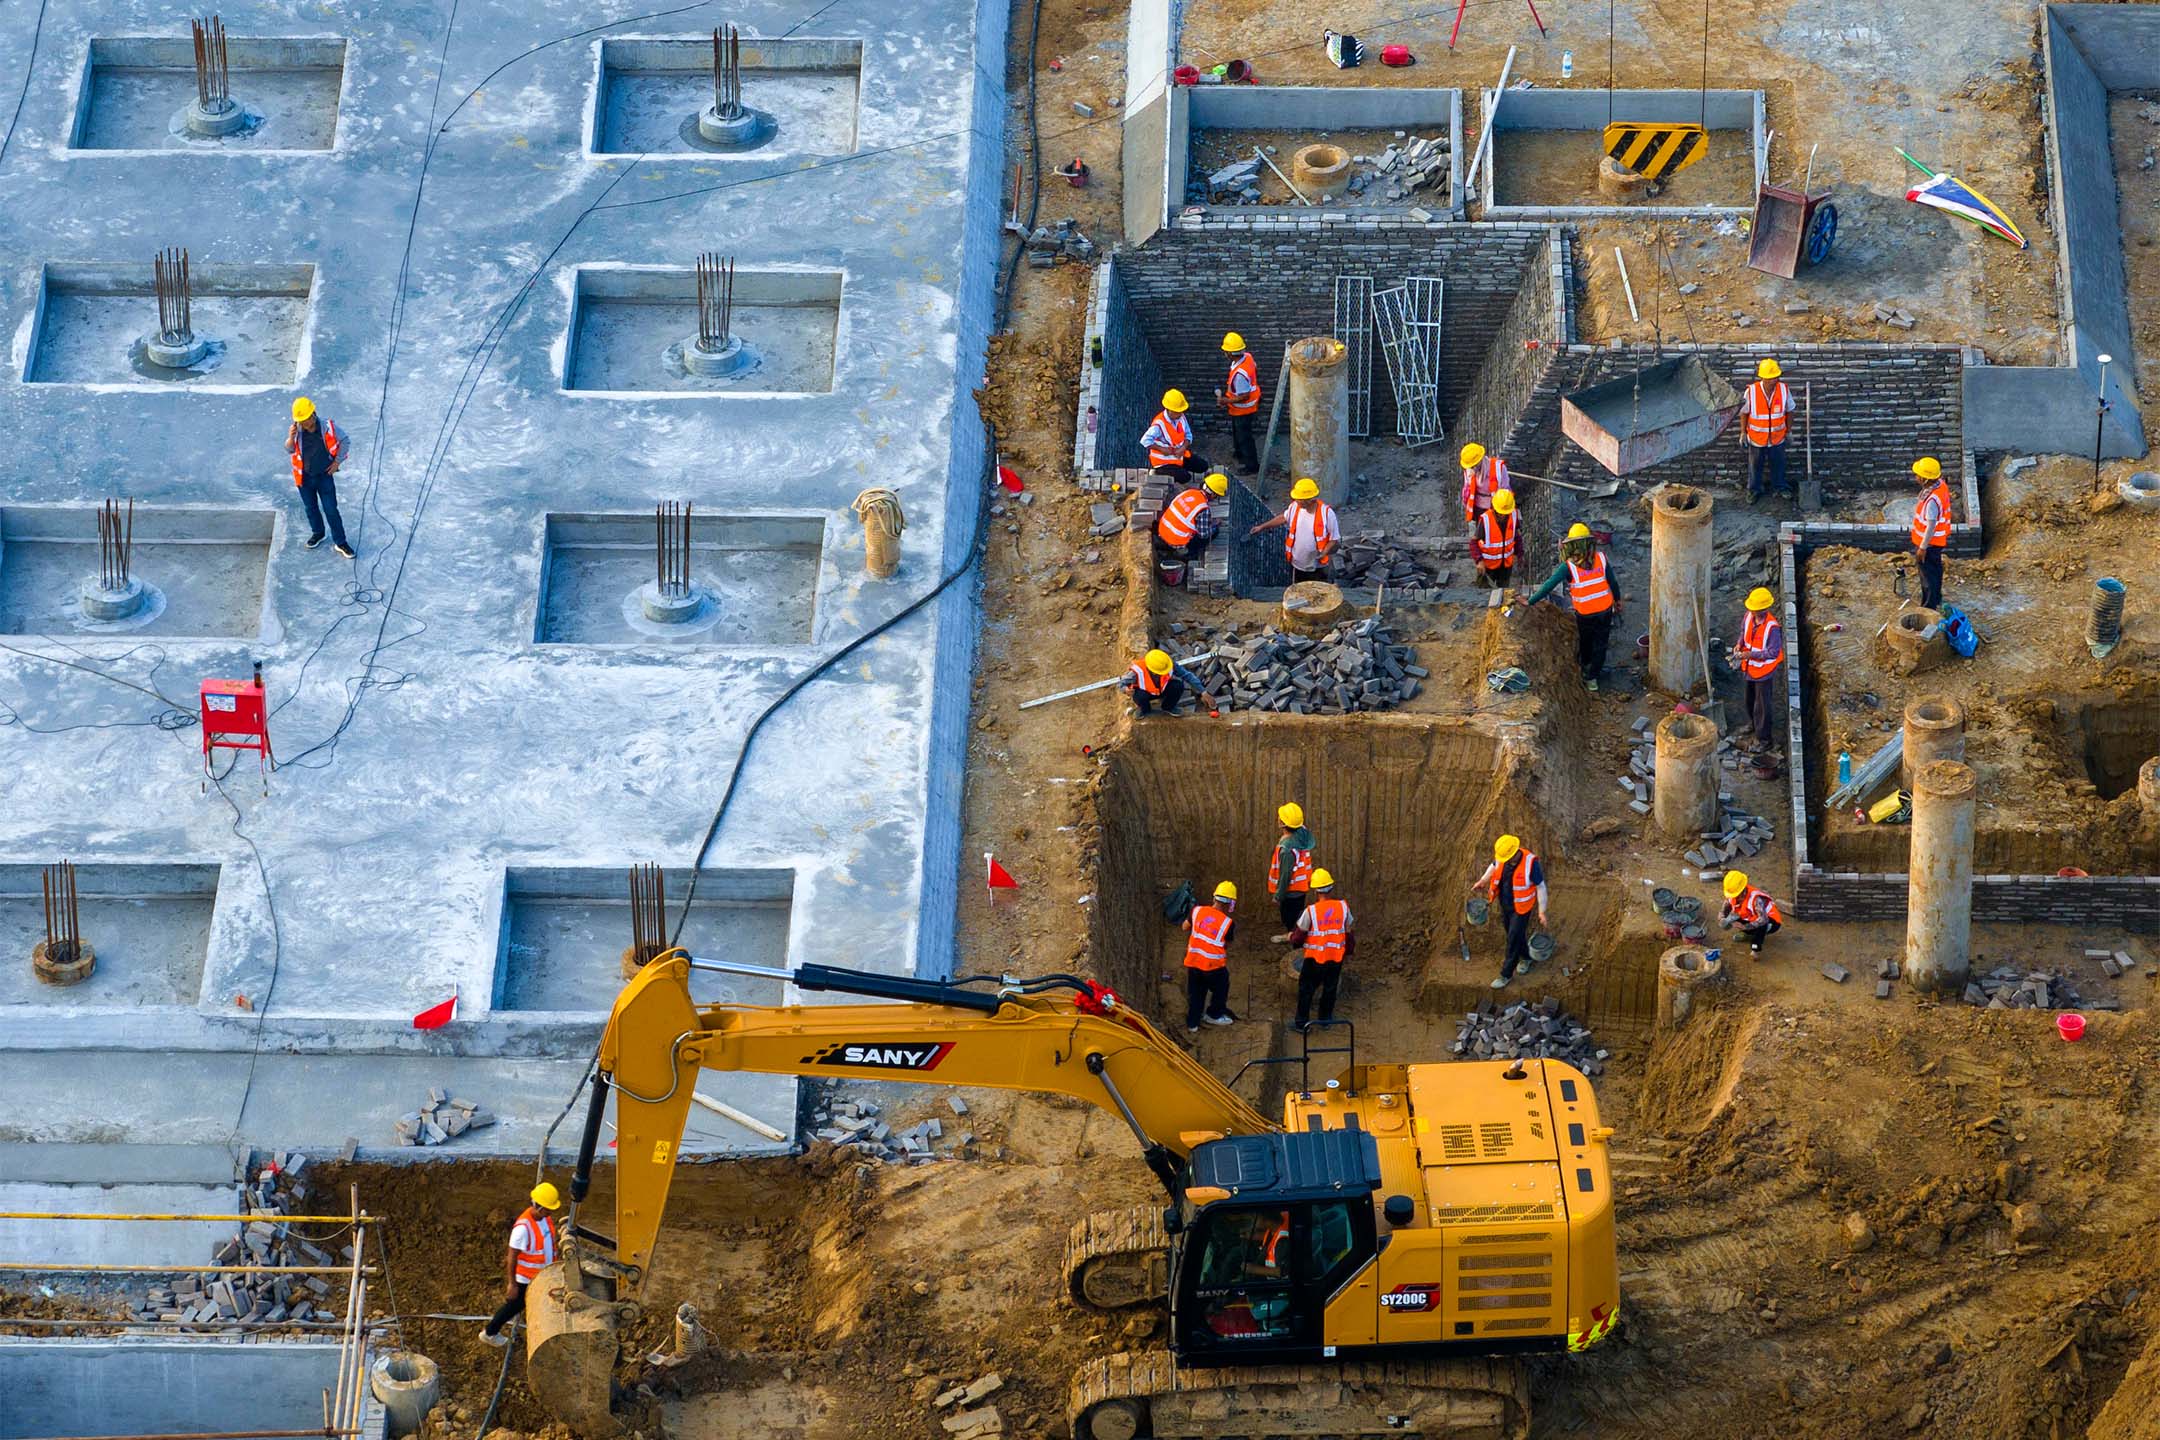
x=1412 y=1298
x=873 y=1055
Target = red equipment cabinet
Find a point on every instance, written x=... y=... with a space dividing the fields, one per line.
x=235 y=717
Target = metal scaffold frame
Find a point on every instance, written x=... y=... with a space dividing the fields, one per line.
x=1411 y=345
x=1353 y=326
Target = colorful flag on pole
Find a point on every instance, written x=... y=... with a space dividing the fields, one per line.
x=1000 y=877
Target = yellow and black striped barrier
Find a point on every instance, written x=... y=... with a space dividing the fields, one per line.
x=1655 y=150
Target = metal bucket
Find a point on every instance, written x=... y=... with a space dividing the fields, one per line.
x=1541 y=947
x=1477 y=910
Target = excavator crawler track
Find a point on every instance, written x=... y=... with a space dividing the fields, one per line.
x=1115 y=1259
x=1149 y=1397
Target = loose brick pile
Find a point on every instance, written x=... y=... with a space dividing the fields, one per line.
x=1528 y=1030
x=854 y=1125
x=1355 y=666
x=1371 y=560
x=218 y=1300
x=442 y=1119
x=2008 y=988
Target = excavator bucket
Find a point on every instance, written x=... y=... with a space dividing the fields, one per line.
x=570 y=1349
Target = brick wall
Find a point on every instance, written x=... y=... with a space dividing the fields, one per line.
x=2099 y=902
x=1256 y=562
x=1125 y=390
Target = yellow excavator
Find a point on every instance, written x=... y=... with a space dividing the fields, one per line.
x=1374 y=1266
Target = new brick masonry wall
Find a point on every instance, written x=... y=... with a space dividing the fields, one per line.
x=1125 y=390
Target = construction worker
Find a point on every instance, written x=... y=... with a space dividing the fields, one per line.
x=1483 y=476
x=1515 y=884
x=1156 y=679
x=1592 y=593
x=1240 y=400
x=1761 y=649
x=1187 y=523
x=1169 y=438
x=532 y=1246
x=317 y=451
x=1310 y=531
x=1290 y=868
x=1931 y=529
x=1765 y=421
x=1492 y=541
x=1754 y=912
x=1326 y=927
x=1207 y=960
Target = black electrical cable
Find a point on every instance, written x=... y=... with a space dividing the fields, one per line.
x=1012 y=267
x=37 y=33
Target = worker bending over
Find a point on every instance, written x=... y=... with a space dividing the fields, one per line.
x=1754 y=912
x=1483 y=476
x=532 y=1248
x=1290 y=868
x=1156 y=679
x=317 y=450
x=1761 y=649
x=1207 y=960
x=1931 y=529
x=1326 y=927
x=1240 y=400
x=1310 y=531
x=1168 y=439
x=1515 y=884
x=1767 y=415
x=1592 y=593
x=1492 y=541
x=1187 y=523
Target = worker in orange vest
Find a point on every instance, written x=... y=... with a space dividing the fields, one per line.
x=532 y=1248
x=1310 y=530
x=1931 y=529
x=1515 y=884
x=1207 y=960
x=317 y=450
x=1483 y=476
x=1752 y=910
x=1492 y=541
x=1187 y=523
x=1290 y=868
x=1240 y=400
x=1592 y=592
x=1326 y=926
x=1156 y=679
x=1168 y=439
x=1766 y=418
x=1758 y=653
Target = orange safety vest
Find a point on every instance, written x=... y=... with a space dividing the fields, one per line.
x=1149 y=680
x=1756 y=634
x=1523 y=892
x=1481 y=480
x=1249 y=402
x=1329 y=935
x=1495 y=546
x=292 y=438
x=1769 y=404
x=1179 y=435
x=1271 y=1243
x=529 y=1262
x=1753 y=907
x=1205 y=950
x=1319 y=522
x=1587 y=586
x=1300 y=871
x=1937 y=531
x=1179 y=522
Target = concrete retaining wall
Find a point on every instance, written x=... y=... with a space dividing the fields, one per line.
x=1150 y=54
x=155 y=1387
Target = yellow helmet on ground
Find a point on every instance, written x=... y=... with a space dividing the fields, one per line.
x=1217 y=484
x=1927 y=467
x=1226 y=891
x=1174 y=401
x=1503 y=502
x=546 y=1196
x=1578 y=531
x=1232 y=343
x=1760 y=598
x=1735 y=882
x=1306 y=489
x=1768 y=370
x=1471 y=454
x=302 y=408
x=1290 y=813
x=1506 y=848
x=1158 y=662
x=1322 y=880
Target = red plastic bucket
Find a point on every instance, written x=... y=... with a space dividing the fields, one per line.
x=2070 y=1026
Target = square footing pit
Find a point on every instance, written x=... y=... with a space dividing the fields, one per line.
x=201 y=572
x=649 y=93
x=136 y=1386
x=634 y=329
x=92 y=320
x=1403 y=147
x=135 y=92
x=754 y=578
x=147 y=925
x=1548 y=146
x=565 y=930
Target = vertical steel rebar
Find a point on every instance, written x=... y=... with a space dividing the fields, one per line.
x=116 y=543
x=169 y=277
x=727 y=72
x=213 y=76
x=671 y=546
x=63 y=923
x=715 y=301
x=648 y=912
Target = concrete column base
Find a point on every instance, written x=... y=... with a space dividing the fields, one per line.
x=1938 y=906
x=1934 y=730
x=1686 y=802
x=228 y=119
x=1682 y=971
x=1915 y=640
x=1312 y=607
x=670 y=609
x=175 y=356
x=72 y=971
x=104 y=605
x=742 y=131
x=731 y=359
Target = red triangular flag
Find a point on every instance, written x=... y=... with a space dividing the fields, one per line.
x=437 y=1016
x=1000 y=877
x=1010 y=479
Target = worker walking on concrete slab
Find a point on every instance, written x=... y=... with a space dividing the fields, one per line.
x=317 y=450
x=1483 y=476
x=1156 y=679
x=1492 y=541
x=1207 y=960
x=1187 y=523
x=1753 y=911
x=1931 y=529
x=1766 y=420
x=1592 y=593
x=532 y=1249
x=1169 y=438
x=1759 y=653
x=1290 y=868
x=1326 y=926
x=1240 y=400
x=1515 y=884
x=1310 y=531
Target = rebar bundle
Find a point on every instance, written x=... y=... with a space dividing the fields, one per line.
x=715 y=301
x=671 y=534
x=648 y=913
x=169 y=271
x=213 y=85
x=63 y=925
x=727 y=72
x=116 y=543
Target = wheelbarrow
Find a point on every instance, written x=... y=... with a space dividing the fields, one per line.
x=1790 y=225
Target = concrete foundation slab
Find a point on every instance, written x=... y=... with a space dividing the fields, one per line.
x=208 y=569
x=160 y=1387
x=755 y=577
x=89 y=322
x=649 y=90
x=628 y=326
x=133 y=88
x=113 y=1242
x=149 y=924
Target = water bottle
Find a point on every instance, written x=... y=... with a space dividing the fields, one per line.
x=1844 y=767
x=1567 y=64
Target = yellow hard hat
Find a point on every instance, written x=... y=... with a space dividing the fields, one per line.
x=1503 y=502
x=302 y=408
x=1290 y=813
x=1158 y=662
x=1768 y=370
x=1927 y=467
x=546 y=1196
x=1217 y=484
x=1471 y=454
x=1174 y=401
x=1578 y=531
x=1760 y=598
x=1321 y=880
x=1506 y=848
x=1226 y=891
x=1735 y=882
x=1232 y=343
x=1306 y=489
